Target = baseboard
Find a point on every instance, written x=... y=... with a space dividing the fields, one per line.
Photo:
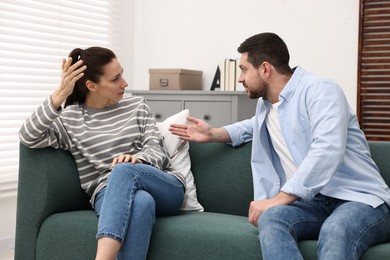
x=6 y=244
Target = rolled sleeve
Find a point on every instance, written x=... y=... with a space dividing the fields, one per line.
x=240 y=132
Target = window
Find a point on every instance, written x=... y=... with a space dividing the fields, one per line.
x=34 y=37
x=374 y=69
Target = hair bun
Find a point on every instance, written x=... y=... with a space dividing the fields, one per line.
x=76 y=55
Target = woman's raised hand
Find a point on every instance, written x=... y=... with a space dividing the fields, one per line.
x=70 y=74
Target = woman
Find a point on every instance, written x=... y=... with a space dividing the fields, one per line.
x=117 y=147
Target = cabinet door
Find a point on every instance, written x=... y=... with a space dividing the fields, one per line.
x=164 y=109
x=214 y=113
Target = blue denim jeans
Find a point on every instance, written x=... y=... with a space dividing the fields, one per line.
x=344 y=229
x=128 y=206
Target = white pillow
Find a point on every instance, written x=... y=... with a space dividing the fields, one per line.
x=180 y=158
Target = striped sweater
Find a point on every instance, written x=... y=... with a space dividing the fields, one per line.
x=96 y=136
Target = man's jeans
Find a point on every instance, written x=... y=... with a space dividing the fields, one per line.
x=344 y=229
x=128 y=206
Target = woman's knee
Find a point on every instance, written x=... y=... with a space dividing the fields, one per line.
x=123 y=171
x=144 y=204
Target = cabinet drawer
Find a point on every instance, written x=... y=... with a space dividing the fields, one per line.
x=214 y=113
x=163 y=109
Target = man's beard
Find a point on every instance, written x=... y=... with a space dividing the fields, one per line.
x=261 y=91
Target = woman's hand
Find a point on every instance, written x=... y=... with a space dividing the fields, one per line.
x=125 y=158
x=70 y=74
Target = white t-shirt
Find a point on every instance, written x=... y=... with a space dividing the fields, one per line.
x=279 y=143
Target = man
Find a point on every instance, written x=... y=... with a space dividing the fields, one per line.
x=312 y=170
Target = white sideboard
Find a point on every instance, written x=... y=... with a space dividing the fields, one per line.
x=217 y=108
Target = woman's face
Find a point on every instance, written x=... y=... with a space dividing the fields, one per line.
x=110 y=89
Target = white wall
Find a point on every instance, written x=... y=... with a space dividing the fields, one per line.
x=322 y=36
x=126 y=46
x=7 y=222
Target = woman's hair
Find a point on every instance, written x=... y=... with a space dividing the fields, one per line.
x=95 y=58
x=267 y=47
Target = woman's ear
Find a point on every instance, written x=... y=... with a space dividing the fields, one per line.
x=91 y=86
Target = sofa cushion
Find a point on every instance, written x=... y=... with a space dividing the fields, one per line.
x=180 y=159
x=189 y=235
x=204 y=235
x=381 y=251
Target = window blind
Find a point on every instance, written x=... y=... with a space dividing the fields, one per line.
x=374 y=69
x=34 y=37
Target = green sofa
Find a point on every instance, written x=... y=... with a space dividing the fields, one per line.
x=55 y=221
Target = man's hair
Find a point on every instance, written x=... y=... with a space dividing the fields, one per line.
x=267 y=47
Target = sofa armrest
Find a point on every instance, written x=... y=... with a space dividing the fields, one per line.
x=48 y=183
x=380 y=152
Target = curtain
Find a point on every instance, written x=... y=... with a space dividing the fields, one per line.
x=34 y=37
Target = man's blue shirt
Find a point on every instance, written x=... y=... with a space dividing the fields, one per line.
x=325 y=141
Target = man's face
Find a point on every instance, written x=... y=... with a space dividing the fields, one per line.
x=252 y=80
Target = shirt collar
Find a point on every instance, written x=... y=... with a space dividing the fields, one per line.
x=289 y=90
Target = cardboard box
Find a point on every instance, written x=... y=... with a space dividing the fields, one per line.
x=175 y=79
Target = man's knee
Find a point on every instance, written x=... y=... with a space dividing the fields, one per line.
x=270 y=217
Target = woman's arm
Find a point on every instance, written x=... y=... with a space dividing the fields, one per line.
x=40 y=129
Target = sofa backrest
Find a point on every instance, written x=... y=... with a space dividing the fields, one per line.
x=222 y=174
x=380 y=152
x=223 y=177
